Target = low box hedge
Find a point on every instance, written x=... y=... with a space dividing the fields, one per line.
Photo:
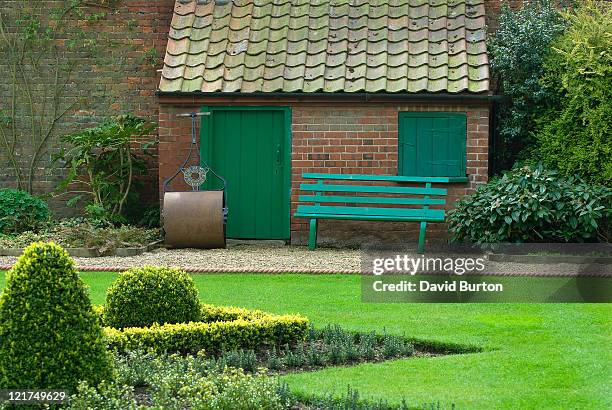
x=220 y=329
x=212 y=313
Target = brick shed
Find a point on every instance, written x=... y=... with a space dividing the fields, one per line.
x=326 y=86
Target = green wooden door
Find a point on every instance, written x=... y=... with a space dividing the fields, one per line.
x=432 y=144
x=250 y=148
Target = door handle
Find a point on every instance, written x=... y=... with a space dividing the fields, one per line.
x=278 y=154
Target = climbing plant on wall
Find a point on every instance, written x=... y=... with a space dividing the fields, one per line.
x=39 y=50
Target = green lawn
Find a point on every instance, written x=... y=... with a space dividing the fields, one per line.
x=537 y=355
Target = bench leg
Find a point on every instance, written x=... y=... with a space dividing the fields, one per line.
x=312 y=238
x=421 y=246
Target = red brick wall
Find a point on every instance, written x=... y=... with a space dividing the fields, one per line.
x=493 y=7
x=138 y=29
x=331 y=137
x=174 y=144
x=362 y=139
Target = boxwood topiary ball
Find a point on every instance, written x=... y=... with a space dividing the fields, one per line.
x=50 y=337
x=142 y=296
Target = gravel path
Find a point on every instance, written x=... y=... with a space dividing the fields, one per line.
x=236 y=258
x=261 y=258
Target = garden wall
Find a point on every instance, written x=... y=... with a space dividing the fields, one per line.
x=339 y=137
x=120 y=78
x=493 y=8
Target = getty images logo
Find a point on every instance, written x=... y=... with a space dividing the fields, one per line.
x=405 y=264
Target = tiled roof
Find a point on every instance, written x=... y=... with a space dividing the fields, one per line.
x=327 y=46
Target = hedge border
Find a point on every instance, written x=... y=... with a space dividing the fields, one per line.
x=221 y=329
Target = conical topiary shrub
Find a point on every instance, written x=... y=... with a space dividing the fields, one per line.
x=49 y=335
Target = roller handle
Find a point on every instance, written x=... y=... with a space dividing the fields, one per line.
x=193 y=116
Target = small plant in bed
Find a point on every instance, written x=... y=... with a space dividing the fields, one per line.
x=20 y=211
x=352 y=400
x=175 y=381
x=193 y=381
x=330 y=346
x=84 y=233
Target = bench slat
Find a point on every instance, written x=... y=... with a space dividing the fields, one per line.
x=364 y=212
x=391 y=178
x=373 y=189
x=371 y=200
x=366 y=218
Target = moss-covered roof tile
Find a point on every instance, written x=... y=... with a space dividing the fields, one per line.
x=327 y=46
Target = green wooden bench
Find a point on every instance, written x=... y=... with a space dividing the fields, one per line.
x=327 y=192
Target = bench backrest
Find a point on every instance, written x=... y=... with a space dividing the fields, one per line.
x=326 y=188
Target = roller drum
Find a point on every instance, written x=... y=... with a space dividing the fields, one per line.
x=194 y=219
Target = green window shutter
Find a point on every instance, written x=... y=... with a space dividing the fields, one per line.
x=432 y=144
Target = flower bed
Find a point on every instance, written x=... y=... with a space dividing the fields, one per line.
x=330 y=346
x=92 y=239
x=180 y=382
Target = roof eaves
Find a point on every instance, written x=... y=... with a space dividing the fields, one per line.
x=337 y=95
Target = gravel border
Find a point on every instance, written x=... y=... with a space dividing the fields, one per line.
x=296 y=259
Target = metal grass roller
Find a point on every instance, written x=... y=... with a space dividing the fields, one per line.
x=196 y=218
